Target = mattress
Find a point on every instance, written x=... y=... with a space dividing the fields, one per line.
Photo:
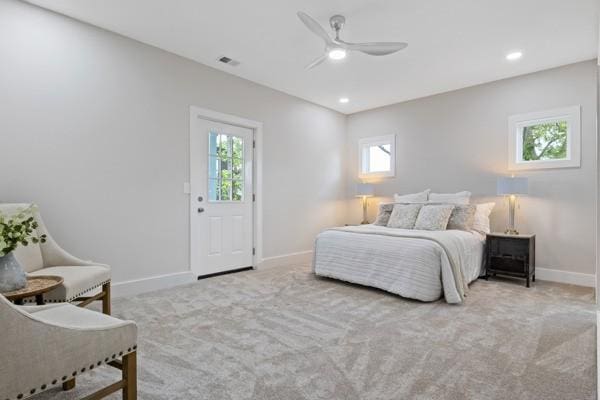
x=421 y=265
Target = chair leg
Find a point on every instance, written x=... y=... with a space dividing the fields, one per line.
x=129 y=373
x=68 y=385
x=106 y=298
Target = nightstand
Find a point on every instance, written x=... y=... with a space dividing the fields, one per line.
x=511 y=255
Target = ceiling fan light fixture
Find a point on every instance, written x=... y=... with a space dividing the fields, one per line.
x=515 y=55
x=337 y=53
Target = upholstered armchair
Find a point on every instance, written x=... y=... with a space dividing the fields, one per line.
x=46 y=346
x=83 y=281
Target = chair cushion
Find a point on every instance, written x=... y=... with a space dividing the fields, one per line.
x=68 y=315
x=77 y=281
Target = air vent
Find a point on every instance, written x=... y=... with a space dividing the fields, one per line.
x=228 y=61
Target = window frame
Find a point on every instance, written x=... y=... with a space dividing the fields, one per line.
x=377 y=141
x=516 y=123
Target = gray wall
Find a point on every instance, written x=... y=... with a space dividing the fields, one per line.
x=94 y=128
x=458 y=140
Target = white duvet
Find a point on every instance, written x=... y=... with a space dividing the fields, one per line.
x=422 y=265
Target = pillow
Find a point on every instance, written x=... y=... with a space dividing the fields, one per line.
x=383 y=215
x=452 y=198
x=481 y=220
x=420 y=197
x=462 y=217
x=404 y=216
x=434 y=217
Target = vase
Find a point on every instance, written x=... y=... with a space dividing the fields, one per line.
x=12 y=276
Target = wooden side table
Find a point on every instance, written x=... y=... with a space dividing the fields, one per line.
x=36 y=287
x=512 y=255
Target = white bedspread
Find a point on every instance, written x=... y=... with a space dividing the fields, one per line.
x=422 y=265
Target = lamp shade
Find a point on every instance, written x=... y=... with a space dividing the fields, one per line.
x=364 y=189
x=512 y=185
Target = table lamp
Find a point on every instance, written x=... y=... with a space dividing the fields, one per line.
x=364 y=190
x=511 y=187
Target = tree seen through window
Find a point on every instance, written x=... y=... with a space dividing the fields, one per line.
x=546 y=141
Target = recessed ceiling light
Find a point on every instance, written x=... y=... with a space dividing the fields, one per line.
x=337 y=53
x=515 y=55
x=344 y=100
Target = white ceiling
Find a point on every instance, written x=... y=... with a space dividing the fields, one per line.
x=452 y=44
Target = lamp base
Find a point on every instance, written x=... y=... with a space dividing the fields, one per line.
x=511 y=232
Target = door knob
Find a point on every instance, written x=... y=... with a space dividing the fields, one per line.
x=200 y=210
x=200 y=198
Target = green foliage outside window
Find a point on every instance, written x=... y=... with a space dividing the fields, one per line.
x=546 y=141
x=228 y=174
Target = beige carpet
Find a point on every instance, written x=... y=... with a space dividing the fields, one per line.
x=284 y=334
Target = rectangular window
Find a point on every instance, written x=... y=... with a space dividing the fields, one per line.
x=547 y=139
x=377 y=156
x=225 y=167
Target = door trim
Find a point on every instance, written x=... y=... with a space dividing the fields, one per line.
x=257 y=205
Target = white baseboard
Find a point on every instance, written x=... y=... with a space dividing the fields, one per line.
x=137 y=286
x=573 y=278
x=301 y=257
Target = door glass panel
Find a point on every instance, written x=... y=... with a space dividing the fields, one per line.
x=237 y=190
x=237 y=169
x=213 y=184
x=225 y=167
x=213 y=167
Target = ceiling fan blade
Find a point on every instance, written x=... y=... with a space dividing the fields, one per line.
x=376 y=48
x=314 y=27
x=316 y=62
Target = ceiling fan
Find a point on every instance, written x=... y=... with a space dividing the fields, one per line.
x=336 y=48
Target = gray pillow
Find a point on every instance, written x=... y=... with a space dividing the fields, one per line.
x=383 y=216
x=462 y=217
x=404 y=216
x=434 y=217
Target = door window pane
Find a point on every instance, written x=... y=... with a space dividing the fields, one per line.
x=225 y=167
x=237 y=190
x=237 y=169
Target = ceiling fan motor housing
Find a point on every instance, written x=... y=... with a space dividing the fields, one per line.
x=337 y=22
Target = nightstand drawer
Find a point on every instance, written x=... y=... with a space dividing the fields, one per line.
x=513 y=247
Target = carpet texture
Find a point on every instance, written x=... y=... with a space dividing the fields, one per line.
x=282 y=333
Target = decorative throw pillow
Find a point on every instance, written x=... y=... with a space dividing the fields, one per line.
x=434 y=217
x=452 y=198
x=420 y=197
x=481 y=220
x=404 y=216
x=383 y=216
x=462 y=217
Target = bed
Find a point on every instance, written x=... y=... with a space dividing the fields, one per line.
x=417 y=264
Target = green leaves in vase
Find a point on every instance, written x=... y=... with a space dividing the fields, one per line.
x=18 y=229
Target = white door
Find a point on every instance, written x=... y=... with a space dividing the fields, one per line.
x=221 y=160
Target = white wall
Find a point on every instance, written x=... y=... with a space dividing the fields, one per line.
x=458 y=140
x=94 y=128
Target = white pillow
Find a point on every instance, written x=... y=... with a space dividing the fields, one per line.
x=420 y=197
x=452 y=198
x=481 y=221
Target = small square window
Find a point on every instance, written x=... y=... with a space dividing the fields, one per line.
x=547 y=139
x=377 y=157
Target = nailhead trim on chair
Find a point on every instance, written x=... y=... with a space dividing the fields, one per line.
x=74 y=297
x=64 y=378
